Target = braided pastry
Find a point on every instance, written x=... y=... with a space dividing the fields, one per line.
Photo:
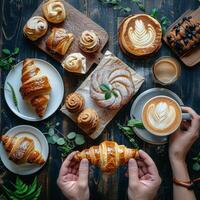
x=35 y=87
x=88 y=120
x=35 y=28
x=22 y=150
x=89 y=42
x=59 y=40
x=74 y=102
x=112 y=87
x=54 y=11
x=108 y=155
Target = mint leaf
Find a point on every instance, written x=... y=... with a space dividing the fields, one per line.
x=16 y=50
x=6 y=51
x=154 y=12
x=107 y=95
x=115 y=93
x=104 y=87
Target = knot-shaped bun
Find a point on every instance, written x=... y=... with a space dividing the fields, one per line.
x=88 y=120
x=54 y=11
x=89 y=41
x=113 y=87
x=35 y=28
x=74 y=102
x=75 y=62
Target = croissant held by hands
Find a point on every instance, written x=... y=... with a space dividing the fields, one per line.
x=22 y=150
x=108 y=155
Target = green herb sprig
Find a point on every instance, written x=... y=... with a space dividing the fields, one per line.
x=14 y=97
x=23 y=191
x=65 y=144
x=127 y=130
x=108 y=91
x=7 y=61
x=139 y=4
x=196 y=165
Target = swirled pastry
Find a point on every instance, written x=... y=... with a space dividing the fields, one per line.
x=89 y=41
x=112 y=87
x=35 y=28
x=74 y=102
x=54 y=11
x=75 y=62
x=108 y=155
x=88 y=120
x=59 y=40
x=140 y=35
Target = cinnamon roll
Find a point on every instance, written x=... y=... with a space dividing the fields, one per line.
x=88 y=120
x=54 y=11
x=74 y=103
x=59 y=40
x=140 y=35
x=89 y=41
x=35 y=28
x=75 y=62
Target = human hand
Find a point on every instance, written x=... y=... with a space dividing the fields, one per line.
x=73 y=178
x=181 y=141
x=144 y=180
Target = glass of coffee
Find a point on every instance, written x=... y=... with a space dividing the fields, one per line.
x=166 y=70
x=162 y=115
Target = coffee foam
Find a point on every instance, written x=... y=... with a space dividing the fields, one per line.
x=161 y=115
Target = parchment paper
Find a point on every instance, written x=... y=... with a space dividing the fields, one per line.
x=105 y=115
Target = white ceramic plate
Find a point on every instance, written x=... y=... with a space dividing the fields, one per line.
x=41 y=145
x=26 y=111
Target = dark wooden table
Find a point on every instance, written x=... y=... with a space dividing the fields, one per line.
x=14 y=14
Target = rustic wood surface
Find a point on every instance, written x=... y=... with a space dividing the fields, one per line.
x=14 y=14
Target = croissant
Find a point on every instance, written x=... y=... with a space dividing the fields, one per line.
x=22 y=150
x=59 y=40
x=35 y=28
x=108 y=155
x=35 y=87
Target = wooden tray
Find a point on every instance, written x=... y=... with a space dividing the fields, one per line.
x=105 y=116
x=192 y=57
x=76 y=22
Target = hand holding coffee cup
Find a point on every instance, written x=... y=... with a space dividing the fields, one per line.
x=162 y=115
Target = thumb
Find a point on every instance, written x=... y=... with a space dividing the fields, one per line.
x=133 y=171
x=83 y=173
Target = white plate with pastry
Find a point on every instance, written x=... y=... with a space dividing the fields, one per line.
x=38 y=87
x=24 y=150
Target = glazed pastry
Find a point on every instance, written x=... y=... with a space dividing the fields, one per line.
x=89 y=41
x=88 y=120
x=35 y=88
x=112 y=87
x=140 y=35
x=74 y=102
x=54 y=11
x=185 y=35
x=108 y=155
x=75 y=62
x=59 y=40
x=35 y=28
x=22 y=150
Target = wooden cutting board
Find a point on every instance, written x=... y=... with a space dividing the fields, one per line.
x=76 y=22
x=192 y=57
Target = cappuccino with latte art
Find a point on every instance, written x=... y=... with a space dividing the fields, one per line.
x=161 y=115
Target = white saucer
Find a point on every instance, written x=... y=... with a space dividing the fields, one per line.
x=136 y=111
x=26 y=111
x=41 y=145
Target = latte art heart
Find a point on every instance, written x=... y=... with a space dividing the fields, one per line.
x=161 y=115
x=141 y=36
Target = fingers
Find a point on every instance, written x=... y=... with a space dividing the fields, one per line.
x=83 y=173
x=66 y=163
x=133 y=171
x=152 y=169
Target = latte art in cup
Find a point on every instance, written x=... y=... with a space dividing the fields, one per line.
x=161 y=115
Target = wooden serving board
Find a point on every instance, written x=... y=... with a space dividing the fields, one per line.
x=75 y=22
x=192 y=57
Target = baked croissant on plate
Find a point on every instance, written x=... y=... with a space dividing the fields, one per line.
x=22 y=150
x=35 y=87
x=108 y=155
x=59 y=40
